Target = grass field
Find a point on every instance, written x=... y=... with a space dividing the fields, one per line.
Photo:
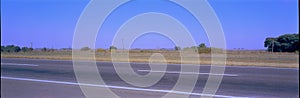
x=240 y=58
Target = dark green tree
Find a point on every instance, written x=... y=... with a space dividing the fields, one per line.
x=9 y=48
x=202 y=45
x=26 y=49
x=16 y=49
x=269 y=43
x=3 y=49
x=112 y=48
x=44 y=49
x=177 y=48
x=12 y=48
x=283 y=43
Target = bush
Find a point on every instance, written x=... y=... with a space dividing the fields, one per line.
x=85 y=49
x=100 y=50
x=204 y=50
x=177 y=48
x=3 y=48
x=26 y=49
x=44 y=49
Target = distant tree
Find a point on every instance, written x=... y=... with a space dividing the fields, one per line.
x=112 y=48
x=202 y=45
x=177 y=48
x=85 y=49
x=30 y=49
x=283 y=43
x=17 y=49
x=25 y=49
x=3 y=49
x=44 y=49
x=9 y=48
x=12 y=48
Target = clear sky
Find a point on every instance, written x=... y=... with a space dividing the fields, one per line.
x=51 y=23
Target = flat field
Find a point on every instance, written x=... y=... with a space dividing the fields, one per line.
x=239 y=58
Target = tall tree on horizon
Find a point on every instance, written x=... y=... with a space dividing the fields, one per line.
x=283 y=43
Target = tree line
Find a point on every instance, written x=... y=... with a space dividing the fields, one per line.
x=13 y=48
x=283 y=43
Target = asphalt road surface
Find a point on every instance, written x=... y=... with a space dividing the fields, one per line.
x=37 y=78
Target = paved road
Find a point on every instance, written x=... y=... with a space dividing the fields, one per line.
x=33 y=78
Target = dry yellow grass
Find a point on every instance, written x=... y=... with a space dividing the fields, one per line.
x=234 y=58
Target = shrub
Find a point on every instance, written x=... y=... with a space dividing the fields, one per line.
x=85 y=49
x=100 y=50
x=26 y=49
x=177 y=48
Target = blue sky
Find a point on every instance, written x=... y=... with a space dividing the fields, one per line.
x=51 y=23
